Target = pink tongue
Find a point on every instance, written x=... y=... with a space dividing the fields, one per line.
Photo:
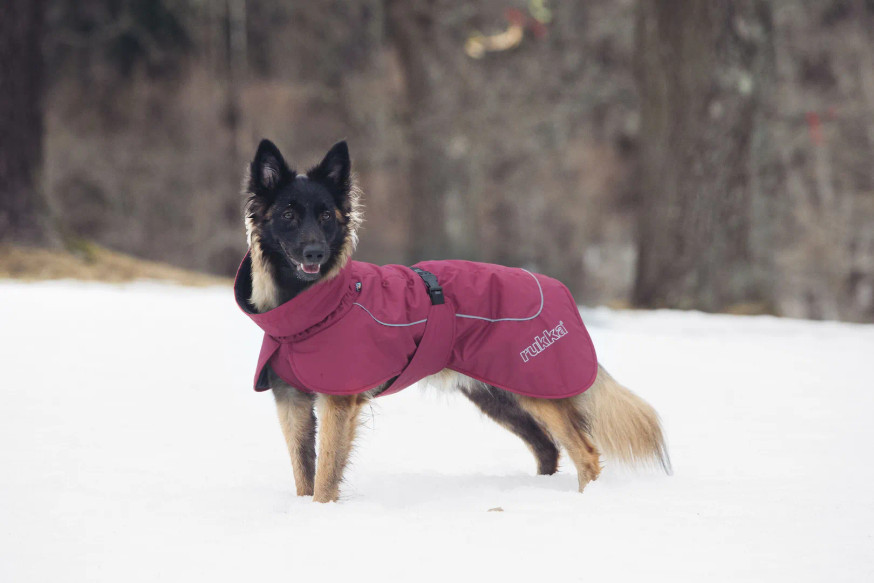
x=313 y=268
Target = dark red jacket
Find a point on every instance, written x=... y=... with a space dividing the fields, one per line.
x=505 y=326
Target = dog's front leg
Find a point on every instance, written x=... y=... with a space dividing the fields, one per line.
x=298 y=421
x=338 y=419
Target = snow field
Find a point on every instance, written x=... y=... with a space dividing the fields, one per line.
x=132 y=448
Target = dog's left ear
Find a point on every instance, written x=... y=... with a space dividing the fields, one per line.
x=335 y=170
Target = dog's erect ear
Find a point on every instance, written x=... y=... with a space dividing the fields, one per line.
x=267 y=168
x=335 y=169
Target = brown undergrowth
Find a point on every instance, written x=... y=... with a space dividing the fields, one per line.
x=89 y=262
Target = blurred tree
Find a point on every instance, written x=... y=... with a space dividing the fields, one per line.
x=421 y=32
x=120 y=37
x=23 y=209
x=706 y=171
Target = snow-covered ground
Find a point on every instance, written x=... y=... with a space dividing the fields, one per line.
x=132 y=448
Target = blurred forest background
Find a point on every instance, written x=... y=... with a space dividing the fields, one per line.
x=715 y=155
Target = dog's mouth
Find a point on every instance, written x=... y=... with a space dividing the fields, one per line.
x=305 y=271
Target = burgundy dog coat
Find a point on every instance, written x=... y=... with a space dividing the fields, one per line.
x=505 y=326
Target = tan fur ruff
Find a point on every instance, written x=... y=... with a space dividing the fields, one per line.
x=354 y=217
x=265 y=293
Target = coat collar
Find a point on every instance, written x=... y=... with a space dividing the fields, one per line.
x=304 y=314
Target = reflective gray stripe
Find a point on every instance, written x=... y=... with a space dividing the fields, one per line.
x=386 y=323
x=467 y=315
x=511 y=319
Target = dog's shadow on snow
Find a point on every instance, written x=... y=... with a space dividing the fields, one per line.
x=423 y=489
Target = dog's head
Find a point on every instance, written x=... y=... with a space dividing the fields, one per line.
x=302 y=224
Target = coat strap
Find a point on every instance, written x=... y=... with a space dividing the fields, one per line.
x=435 y=292
x=434 y=349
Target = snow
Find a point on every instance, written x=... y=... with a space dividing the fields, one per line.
x=132 y=448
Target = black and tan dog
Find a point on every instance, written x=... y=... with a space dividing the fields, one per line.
x=302 y=230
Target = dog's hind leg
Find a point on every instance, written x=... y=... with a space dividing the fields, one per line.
x=298 y=421
x=562 y=419
x=505 y=410
x=338 y=419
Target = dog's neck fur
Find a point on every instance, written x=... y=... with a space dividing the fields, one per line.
x=274 y=284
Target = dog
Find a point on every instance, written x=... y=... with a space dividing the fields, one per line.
x=340 y=332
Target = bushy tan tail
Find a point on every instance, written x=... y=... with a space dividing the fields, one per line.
x=624 y=426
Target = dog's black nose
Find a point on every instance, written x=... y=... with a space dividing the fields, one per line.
x=314 y=254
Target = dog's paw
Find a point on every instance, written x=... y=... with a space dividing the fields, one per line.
x=585 y=477
x=324 y=495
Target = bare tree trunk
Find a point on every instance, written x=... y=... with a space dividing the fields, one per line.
x=866 y=63
x=23 y=209
x=223 y=33
x=706 y=167
x=443 y=217
x=236 y=69
x=859 y=286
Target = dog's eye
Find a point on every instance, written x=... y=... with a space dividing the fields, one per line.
x=288 y=215
x=325 y=216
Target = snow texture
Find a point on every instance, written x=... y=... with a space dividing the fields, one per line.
x=132 y=448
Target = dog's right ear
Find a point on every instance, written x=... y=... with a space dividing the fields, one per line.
x=267 y=169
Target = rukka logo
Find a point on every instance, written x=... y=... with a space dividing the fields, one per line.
x=541 y=343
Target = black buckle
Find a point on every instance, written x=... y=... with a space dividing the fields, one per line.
x=435 y=292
